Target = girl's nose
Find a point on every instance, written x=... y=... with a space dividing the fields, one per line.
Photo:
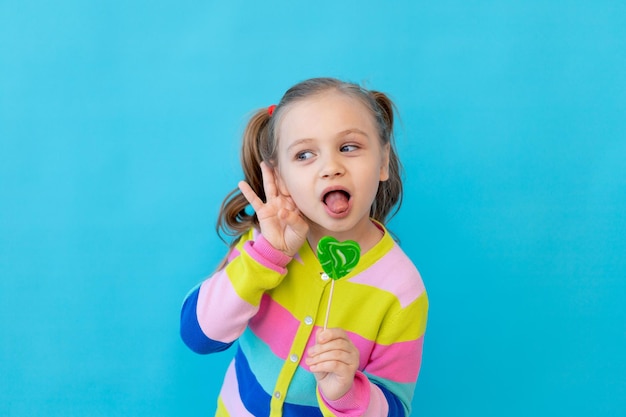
x=332 y=168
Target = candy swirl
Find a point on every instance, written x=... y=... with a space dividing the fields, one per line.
x=338 y=258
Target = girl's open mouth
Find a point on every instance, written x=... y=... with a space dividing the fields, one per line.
x=337 y=201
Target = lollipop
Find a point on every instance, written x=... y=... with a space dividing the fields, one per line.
x=337 y=259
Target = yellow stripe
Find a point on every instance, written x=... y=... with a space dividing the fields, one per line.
x=249 y=278
x=374 y=307
x=405 y=324
x=306 y=279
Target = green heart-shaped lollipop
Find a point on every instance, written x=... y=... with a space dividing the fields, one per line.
x=338 y=258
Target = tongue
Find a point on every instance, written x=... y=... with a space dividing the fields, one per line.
x=337 y=201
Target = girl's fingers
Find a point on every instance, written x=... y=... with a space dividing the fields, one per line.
x=269 y=181
x=250 y=195
x=331 y=347
x=333 y=356
x=326 y=335
x=294 y=219
x=269 y=186
x=290 y=205
x=335 y=347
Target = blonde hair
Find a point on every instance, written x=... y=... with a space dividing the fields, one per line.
x=260 y=144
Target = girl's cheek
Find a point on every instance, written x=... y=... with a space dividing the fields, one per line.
x=280 y=183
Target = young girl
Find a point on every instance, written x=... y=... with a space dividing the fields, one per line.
x=320 y=163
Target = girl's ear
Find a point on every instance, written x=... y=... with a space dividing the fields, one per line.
x=384 y=166
x=280 y=184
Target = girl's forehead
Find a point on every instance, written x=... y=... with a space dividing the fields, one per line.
x=327 y=110
x=329 y=97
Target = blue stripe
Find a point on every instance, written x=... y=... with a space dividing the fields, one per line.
x=256 y=400
x=190 y=330
x=396 y=409
x=266 y=367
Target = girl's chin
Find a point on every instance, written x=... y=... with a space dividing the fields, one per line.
x=338 y=228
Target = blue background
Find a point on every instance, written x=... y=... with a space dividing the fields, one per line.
x=119 y=137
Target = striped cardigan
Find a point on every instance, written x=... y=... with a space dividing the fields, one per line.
x=273 y=305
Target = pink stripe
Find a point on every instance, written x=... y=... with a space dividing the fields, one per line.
x=230 y=394
x=222 y=314
x=396 y=275
x=364 y=346
x=399 y=362
x=389 y=361
x=275 y=325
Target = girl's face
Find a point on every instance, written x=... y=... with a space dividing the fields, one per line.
x=330 y=161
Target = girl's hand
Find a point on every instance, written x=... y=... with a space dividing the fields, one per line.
x=333 y=360
x=279 y=218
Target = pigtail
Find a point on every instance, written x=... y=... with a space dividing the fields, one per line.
x=233 y=219
x=389 y=196
x=386 y=108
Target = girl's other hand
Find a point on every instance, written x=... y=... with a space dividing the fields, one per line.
x=334 y=361
x=280 y=221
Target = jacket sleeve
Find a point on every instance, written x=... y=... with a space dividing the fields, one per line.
x=216 y=312
x=386 y=386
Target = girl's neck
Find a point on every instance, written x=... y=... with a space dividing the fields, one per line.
x=367 y=236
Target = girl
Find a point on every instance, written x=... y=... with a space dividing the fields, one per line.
x=320 y=163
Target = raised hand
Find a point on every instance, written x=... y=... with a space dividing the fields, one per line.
x=280 y=221
x=334 y=361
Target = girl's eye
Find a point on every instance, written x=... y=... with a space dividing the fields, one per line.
x=304 y=155
x=349 y=148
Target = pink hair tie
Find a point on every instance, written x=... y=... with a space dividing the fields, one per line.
x=270 y=109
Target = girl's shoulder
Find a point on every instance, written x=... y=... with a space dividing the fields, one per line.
x=389 y=269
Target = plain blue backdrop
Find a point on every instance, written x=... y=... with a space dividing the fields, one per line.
x=119 y=137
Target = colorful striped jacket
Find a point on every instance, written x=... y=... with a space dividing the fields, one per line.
x=273 y=305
